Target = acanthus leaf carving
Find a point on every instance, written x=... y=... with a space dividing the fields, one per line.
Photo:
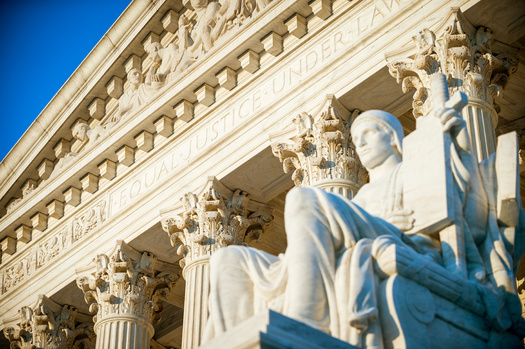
x=463 y=54
x=125 y=282
x=49 y=325
x=321 y=153
x=218 y=218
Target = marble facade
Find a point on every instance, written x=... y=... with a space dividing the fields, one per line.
x=185 y=127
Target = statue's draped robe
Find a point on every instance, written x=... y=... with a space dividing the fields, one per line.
x=325 y=278
x=133 y=99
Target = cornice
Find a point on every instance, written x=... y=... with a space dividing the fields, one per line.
x=73 y=92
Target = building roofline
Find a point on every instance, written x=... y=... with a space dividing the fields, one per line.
x=37 y=135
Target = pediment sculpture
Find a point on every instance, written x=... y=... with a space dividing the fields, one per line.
x=378 y=271
x=194 y=38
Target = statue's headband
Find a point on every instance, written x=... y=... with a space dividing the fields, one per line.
x=387 y=122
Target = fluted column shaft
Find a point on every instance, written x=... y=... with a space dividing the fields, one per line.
x=197 y=276
x=480 y=118
x=123 y=332
x=218 y=218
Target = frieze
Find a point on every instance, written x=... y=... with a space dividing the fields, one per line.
x=43 y=252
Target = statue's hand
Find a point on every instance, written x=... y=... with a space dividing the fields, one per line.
x=402 y=219
x=450 y=119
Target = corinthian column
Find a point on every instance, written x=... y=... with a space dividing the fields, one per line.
x=124 y=289
x=217 y=218
x=465 y=55
x=321 y=153
x=48 y=324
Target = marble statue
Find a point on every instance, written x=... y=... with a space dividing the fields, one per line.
x=339 y=250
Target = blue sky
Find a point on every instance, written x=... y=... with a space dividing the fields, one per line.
x=43 y=42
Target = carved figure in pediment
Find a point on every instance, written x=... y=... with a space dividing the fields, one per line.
x=28 y=190
x=12 y=204
x=234 y=12
x=165 y=61
x=84 y=133
x=65 y=161
x=185 y=42
x=205 y=31
x=139 y=92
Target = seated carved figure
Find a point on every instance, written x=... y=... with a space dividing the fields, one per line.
x=83 y=132
x=139 y=92
x=338 y=250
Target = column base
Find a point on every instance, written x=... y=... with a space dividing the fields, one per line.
x=271 y=330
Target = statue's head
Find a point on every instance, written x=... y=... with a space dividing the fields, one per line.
x=79 y=131
x=135 y=76
x=153 y=47
x=377 y=135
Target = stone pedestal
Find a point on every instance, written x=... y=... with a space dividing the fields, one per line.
x=124 y=289
x=271 y=330
x=217 y=218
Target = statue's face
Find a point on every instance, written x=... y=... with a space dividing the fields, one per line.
x=79 y=131
x=135 y=76
x=372 y=143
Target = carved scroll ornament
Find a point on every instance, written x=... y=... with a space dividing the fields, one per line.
x=49 y=325
x=215 y=220
x=125 y=282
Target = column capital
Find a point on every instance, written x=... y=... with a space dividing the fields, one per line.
x=218 y=217
x=464 y=53
x=48 y=324
x=125 y=283
x=321 y=152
